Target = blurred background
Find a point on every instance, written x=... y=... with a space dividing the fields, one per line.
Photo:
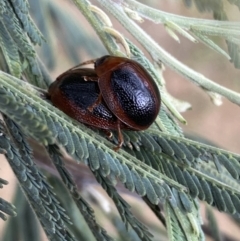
x=217 y=124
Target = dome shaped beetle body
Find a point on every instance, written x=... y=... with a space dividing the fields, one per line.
x=117 y=94
x=128 y=91
x=74 y=96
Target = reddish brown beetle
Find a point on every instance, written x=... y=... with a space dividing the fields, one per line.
x=77 y=97
x=118 y=94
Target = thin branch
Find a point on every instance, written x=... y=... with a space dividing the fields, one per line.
x=209 y=27
x=160 y=55
x=85 y=7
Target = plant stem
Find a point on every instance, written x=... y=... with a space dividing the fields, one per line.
x=210 y=27
x=98 y=26
x=160 y=55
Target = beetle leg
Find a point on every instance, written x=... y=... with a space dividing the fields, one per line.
x=95 y=104
x=120 y=137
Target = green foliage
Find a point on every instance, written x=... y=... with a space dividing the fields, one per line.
x=171 y=173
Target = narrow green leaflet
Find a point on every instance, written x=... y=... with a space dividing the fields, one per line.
x=37 y=190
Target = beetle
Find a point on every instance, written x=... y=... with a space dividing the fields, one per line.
x=75 y=96
x=122 y=95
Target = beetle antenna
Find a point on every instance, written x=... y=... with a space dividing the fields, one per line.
x=91 y=61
